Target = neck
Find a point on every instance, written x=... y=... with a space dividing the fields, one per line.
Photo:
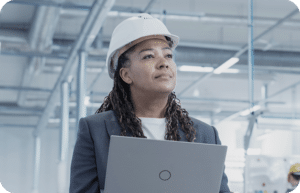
x=150 y=106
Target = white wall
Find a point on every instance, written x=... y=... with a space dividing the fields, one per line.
x=17 y=159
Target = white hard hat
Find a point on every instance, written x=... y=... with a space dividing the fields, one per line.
x=132 y=31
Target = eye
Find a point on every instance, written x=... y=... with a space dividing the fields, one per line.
x=169 y=55
x=147 y=56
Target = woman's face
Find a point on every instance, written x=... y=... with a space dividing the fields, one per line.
x=151 y=58
x=292 y=180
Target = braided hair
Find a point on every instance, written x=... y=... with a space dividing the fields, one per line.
x=119 y=100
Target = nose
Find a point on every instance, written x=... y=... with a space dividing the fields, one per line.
x=163 y=63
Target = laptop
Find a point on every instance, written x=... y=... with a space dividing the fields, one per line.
x=138 y=165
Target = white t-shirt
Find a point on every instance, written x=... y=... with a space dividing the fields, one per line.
x=153 y=128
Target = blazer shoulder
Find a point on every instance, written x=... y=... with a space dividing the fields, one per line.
x=106 y=115
x=98 y=120
x=201 y=125
x=205 y=133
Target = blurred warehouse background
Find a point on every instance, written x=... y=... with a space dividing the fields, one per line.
x=52 y=68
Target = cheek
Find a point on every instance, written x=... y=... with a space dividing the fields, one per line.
x=144 y=71
x=149 y=64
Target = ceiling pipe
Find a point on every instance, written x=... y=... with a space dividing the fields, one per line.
x=240 y=52
x=260 y=103
x=94 y=20
x=40 y=39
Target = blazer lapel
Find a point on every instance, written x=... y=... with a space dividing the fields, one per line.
x=112 y=125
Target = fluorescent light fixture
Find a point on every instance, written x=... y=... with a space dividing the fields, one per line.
x=87 y=100
x=196 y=68
x=204 y=69
x=226 y=65
x=248 y=111
x=233 y=71
x=254 y=151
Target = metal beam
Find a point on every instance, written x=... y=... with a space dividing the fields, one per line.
x=94 y=20
x=34 y=54
x=61 y=56
x=3 y=114
x=18 y=88
x=90 y=88
x=280 y=117
x=17 y=126
x=281 y=91
x=123 y=9
x=51 y=4
x=264 y=94
x=193 y=113
x=252 y=119
x=64 y=139
x=279 y=22
x=194 y=99
x=250 y=55
x=40 y=39
x=37 y=163
x=261 y=102
x=149 y=6
x=81 y=84
x=294 y=101
x=13 y=36
x=96 y=16
x=20 y=109
x=239 y=53
x=207 y=18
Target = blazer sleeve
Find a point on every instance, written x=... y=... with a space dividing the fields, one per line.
x=84 y=178
x=224 y=183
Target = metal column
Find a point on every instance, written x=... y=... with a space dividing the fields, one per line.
x=37 y=161
x=264 y=94
x=64 y=138
x=294 y=102
x=252 y=119
x=81 y=109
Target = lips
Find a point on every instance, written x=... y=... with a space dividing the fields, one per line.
x=164 y=74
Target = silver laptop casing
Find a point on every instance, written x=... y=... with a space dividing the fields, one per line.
x=139 y=165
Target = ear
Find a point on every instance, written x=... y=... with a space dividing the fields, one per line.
x=124 y=74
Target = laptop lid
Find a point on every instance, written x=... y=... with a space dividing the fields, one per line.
x=138 y=165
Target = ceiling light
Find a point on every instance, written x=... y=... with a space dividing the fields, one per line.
x=233 y=71
x=87 y=100
x=226 y=65
x=254 y=151
x=196 y=68
x=204 y=69
x=248 y=111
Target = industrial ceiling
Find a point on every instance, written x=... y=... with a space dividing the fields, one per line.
x=41 y=41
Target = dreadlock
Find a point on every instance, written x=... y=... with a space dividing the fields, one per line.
x=119 y=100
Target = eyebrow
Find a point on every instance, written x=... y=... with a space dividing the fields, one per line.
x=150 y=49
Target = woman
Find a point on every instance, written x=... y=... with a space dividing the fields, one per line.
x=141 y=103
x=293 y=177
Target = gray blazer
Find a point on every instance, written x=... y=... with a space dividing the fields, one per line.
x=88 y=167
